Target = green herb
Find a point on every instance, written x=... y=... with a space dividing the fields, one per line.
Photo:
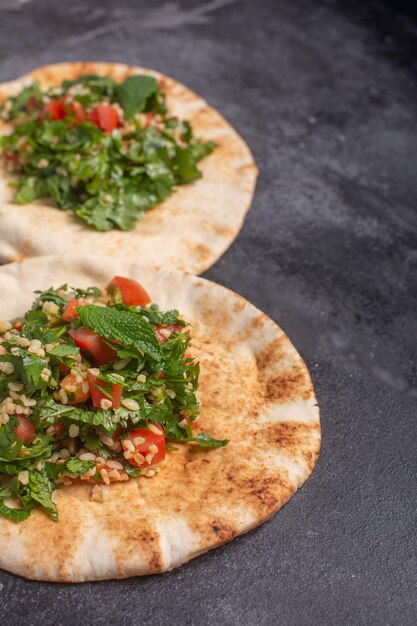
x=73 y=414
x=39 y=448
x=161 y=317
x=76 y=467
x=134 y=92
x=28 y=368
x=39 y=490
x=8 y=447
x=65 y=349
x=15 y=515
x=20 y=102
x=206 y=441
x=133 y=472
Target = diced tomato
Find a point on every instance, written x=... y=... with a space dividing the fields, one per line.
x=108 y=118
x=77 y=396
x=97 y=396
x=18 y=326
x=59 y=428
x=58 y=109
x=133 y=294
x=11 y=158
x=25 y=429
x=104 y=116
x=53 y=110
x=87 y=340
x=70 y=311
x=167 y=329
x=150 y=439
x=32 y=104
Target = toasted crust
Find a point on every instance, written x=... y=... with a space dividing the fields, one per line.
x=255 y=390
x=189 y=231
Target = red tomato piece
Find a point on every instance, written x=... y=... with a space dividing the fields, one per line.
x=53 y=110
x=32 y=104
x=79 y=395
x=97 y=396
x=25 y=429
x=12 y=160
x=133 y=294
x=150 y=438
x=163 y=336
x=108 y=118
x=70 y=311
x=59 y=428
x=87 y=340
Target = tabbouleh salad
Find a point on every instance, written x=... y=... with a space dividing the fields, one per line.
x=104 y=150
x=95 y=385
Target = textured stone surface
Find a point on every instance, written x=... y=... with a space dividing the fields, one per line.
x=325 y=94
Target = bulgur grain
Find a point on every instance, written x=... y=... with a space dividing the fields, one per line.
x=130 y=404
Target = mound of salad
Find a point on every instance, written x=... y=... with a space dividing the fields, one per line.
x=104 y=150
x=95 y=385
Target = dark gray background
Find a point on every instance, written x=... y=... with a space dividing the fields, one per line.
x=325 y=93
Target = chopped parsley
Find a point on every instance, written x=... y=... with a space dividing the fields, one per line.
x=106 y=151
x=94 y=386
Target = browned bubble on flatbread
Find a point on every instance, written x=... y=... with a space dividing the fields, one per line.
x=190 y=230
x=255 y=390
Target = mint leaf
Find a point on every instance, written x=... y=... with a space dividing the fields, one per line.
x=134 y=92
x=124 y=326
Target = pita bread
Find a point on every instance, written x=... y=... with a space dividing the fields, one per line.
x=189 y=231
x=255 y=390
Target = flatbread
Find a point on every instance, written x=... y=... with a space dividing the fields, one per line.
x=189 y=231
x=254 y=389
